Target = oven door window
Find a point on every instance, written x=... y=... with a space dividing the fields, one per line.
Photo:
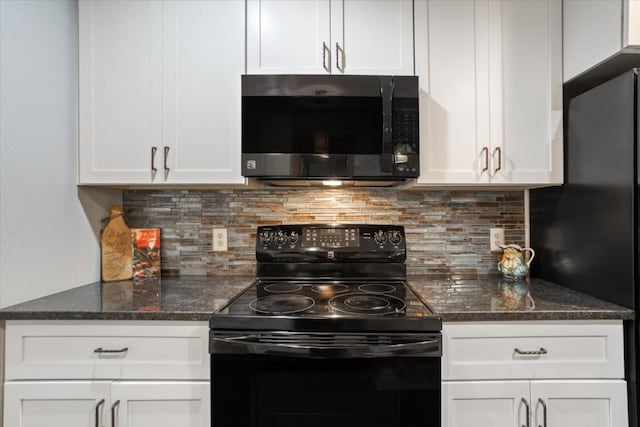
x=291 y=392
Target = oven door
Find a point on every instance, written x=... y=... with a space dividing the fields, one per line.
x=297 y=379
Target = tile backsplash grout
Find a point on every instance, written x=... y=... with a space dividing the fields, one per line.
x=447 y=231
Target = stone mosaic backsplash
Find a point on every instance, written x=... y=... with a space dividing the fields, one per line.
x=447 y=232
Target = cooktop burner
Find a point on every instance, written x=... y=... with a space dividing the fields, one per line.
x=376 y=288
x=281 y=304
x=367 y=304
x=282 y=287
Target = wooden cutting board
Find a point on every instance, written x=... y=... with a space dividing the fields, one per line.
x=117 y=250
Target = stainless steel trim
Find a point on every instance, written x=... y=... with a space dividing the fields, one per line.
x=485 y=150
x=531 y=353
x=499 y=150
x=527 y=412
x=544 y=413
x=154 y=169
x=326 y=49
x=98 y=405
x=113 y=413
x=102 y=350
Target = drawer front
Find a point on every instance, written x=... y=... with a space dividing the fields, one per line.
x=521 y=350
x=106 y=350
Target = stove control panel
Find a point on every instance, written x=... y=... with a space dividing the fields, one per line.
x=330 y=243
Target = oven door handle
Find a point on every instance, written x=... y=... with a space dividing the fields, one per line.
x=429 y=347
x=250 y=344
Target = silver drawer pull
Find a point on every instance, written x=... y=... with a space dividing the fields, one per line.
x=103 y=350
x=531 y=353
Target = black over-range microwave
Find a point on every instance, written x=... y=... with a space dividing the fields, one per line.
x=316 y=128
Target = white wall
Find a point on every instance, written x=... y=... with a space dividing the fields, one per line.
x=49 y=228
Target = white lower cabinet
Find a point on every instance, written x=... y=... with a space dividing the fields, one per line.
x=544 y=374
x=107 y=373
x=97 y=403
x=164 y=404
x=568 y=403
x=55 y=403
x=483 y=403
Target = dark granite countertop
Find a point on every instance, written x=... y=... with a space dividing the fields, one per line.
x=169 y=298
x=196 y=297
x=492 y=298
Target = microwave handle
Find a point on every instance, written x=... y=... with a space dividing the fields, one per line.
x=386 y=96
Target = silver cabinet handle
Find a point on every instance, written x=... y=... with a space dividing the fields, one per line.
x=485 y=150
x=544 y=413
x=104 y=350
x=339 y=55
x=499 y=150
x=154 y=150
x=113 y=413
x=527 y=412
x=531 y=353
x=166 y=155
x=98 y=405
x=326 y=53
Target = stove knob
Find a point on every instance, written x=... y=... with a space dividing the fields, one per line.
x=293 y=237
x=380 y=237
x=266 y=237
x=395 y=237
x=281 y=237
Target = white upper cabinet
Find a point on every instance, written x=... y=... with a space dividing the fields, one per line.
x=525 y=92
x=593 y=30
x=372 y=37
x=288 y=37
x=160 y=91
x=490 y=92
x=203 y=62
x=330 y=36
x=120 y=98
x=452 y=65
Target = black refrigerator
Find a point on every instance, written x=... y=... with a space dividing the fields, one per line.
x=586 y=232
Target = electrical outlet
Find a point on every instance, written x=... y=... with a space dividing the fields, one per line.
x=220 y=239
x=496 y=238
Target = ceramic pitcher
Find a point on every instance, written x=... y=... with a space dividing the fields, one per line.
x=512 y=265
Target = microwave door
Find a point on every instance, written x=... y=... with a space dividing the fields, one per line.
x=386 y=154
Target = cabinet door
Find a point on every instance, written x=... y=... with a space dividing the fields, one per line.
x=55 y=403
x=372 y=37
x=596 y=403
x=287 y=37
x=203 y=62
x=120 y=55
x=484 y=403
x=452 y=65
x=162 y=404
x=525 y=81
x=592 y=32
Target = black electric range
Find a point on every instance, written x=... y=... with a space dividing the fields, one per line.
x=330 y=333
x=329 y=278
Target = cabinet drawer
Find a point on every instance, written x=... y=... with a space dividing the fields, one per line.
x=106 y=349
x=498 y=350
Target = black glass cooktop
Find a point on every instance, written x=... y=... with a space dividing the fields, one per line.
x=388 y=305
